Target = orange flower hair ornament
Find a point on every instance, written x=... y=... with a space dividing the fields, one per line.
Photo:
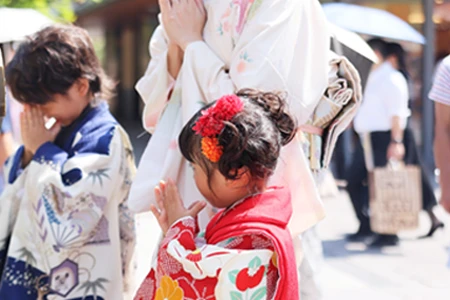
x=211 y=124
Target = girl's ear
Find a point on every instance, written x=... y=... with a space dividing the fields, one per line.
x=243 y=178
x=83 y=86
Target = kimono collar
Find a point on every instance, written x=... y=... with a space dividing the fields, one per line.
x=271 y=207
x=91 y=112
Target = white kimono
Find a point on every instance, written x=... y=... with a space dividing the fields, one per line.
x=264 y=44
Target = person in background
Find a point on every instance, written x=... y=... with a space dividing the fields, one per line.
x=396 y=56
x=381 y=120
x=440 y=94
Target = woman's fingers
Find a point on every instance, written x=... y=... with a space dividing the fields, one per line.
x=165 y=6
x=200 y=6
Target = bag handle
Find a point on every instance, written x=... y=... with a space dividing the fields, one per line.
x=395 y=164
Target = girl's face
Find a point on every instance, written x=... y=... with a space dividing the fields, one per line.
x=66 y=108
x=220 y=192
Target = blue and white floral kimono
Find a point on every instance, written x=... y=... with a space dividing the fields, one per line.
x=65 y=232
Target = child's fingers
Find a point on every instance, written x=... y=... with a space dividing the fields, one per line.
x=23 y=125
x=166 y=190
x=163 y=201
x=173 y=191
x=37 y=117
x=34 y=115
x=23 y=119
x=155 y=212
x=193 y=204
x=162 y=187
x=159 y=198
x=160 y=216
x=27 y=114
x=39 y=112
x=196 y=208
x=55 y=129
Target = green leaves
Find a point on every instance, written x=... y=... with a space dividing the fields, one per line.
x=259 y=294
x=235 y=296
x=232 y=276
x=59 y=10
x=255 y=263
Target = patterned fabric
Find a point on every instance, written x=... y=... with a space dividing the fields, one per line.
x=441 y=86
x=190 y=269
x=65 y=231
x=245 y=263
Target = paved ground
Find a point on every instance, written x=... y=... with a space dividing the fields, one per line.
x=414 y=270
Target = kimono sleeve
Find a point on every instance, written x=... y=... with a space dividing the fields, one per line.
x=282 y=47
x=156 y=84
x=73 y=193
x=10 y=198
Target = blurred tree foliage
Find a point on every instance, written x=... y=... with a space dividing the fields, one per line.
x=56 y=9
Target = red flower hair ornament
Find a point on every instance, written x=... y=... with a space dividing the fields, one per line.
x=211 y=124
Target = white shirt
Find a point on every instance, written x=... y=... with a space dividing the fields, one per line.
x=386 y=96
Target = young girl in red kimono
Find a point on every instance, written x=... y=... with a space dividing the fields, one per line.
x=246 y=252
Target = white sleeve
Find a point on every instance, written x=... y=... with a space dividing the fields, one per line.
x=396 y=96
x=156 y=84
x=274 y=49
x=283 y=46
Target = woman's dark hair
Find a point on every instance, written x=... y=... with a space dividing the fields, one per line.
x=379 y=45
x=51 y=61
x=252 y=138
x=396 y=50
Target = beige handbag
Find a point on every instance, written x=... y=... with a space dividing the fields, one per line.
x=395 y=198
x=395 y=193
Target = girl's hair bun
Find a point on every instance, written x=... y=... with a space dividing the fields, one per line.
x=275 y=105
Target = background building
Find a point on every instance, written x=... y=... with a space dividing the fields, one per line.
x=121 y=30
